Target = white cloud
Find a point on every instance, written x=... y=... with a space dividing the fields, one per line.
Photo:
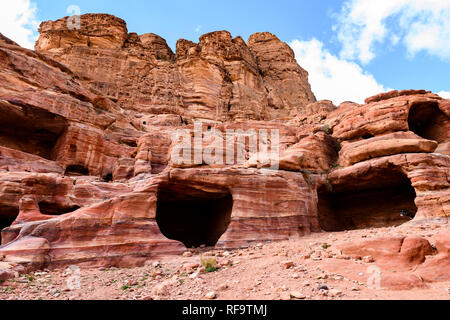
x=332 y=78
x=444 y=94
x=18 y=21
x=421 y=25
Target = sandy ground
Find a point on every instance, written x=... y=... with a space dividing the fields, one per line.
x=267 y=271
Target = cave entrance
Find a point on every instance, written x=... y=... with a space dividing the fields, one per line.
x=55 y=209
x=76 y=171
x=31 y=130
x=428 y=121
x=191 y=216
x=7 y=216
x=376 y=200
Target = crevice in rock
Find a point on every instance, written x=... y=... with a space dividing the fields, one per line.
x=191 y=216
x=157 y=168
x=108 y=177
x=130 y=143
x=55 y=209
x=377 y=201
x=76 y=170
x=367 y=136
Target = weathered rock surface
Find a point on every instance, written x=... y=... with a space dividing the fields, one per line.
x=315 y=152
x=218 y=79
x=392 y=253
x=384 y=145
x=87 y=168
x=400 y=263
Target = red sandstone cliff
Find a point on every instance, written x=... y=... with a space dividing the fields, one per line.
x=86 y=123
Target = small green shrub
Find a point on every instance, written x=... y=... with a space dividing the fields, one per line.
x=160 y=56
x=211 y=269
x=210 y=264
x=326 y=128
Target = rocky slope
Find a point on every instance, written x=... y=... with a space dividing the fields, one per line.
x=87 y=174
x=320 y=266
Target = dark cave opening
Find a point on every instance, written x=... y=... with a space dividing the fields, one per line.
x=31 y=130
x=367 y=136
x=193 y=217
x=55 y=209
x=108 y=177
x=7 y=216
x=375 y=202
x=76 y=170
x=426 y=120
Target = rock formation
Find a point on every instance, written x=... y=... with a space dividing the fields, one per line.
x=87 y=174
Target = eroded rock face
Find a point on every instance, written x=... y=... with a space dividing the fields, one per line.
x=218 y=79
x=96 y=30
x=400 y=263
x=88 y=170
x=284 y=79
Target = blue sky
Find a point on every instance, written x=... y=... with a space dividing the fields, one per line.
x=352 y=49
